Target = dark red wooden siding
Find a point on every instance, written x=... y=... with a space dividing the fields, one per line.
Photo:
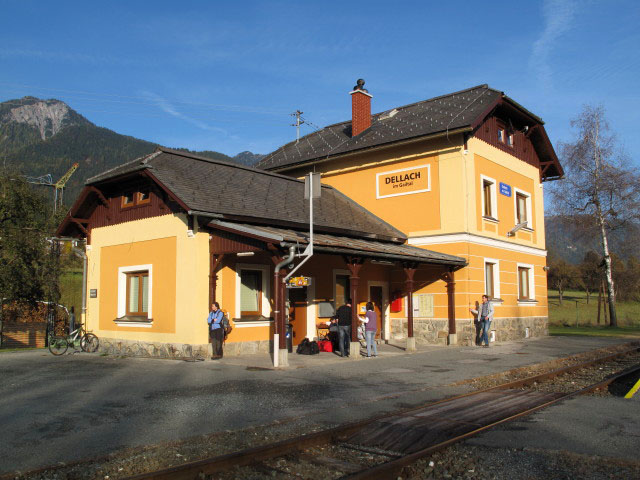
x=522 y=146
x=226 y=242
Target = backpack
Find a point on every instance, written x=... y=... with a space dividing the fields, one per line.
x=307 y=348
x=224 y=323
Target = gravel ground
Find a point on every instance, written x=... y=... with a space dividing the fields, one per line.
x=461 y=461
x=481 y=463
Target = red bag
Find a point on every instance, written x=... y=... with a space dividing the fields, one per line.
x=325 y=346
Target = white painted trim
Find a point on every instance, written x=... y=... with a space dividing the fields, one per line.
x=360 y=91
x=122 y=287
x=134 y=324
x=476 y=239
x=385 y=324
x=256 y=323
x=266 y=308
x=494 y=196
x=428 y=189
x=496 y=276
x=532 y=286
x=527 y=205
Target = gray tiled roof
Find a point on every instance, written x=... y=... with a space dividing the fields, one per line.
x=235 y=191
x=440 y=114
x=348 y=246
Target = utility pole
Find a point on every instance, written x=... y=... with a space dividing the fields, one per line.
x=299 y=121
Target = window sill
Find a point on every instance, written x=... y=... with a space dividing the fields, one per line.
x=134 y=321
x=252 y=321
x=490 y=219
x=527 y=302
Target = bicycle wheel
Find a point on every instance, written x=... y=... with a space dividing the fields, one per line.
x=89 y=342
x=58 y=345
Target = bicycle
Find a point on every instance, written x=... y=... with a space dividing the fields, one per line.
x=89 y=342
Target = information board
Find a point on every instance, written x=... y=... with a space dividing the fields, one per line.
x=423 y=305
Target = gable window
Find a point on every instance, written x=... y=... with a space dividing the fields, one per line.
x=501 y=135
x=144 y=196
x=510 y=140
x=136 y=197
x=489 y=200
x=138 y=293
x=128 y=199
x=250 y=292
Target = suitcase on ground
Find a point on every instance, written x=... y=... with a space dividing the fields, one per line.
x=325 y=346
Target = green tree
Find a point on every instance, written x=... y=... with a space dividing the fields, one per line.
x=29 y=266
x=561 y=275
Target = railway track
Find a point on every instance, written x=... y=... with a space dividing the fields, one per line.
x=379 y=448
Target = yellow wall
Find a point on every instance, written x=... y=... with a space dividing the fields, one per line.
x=179 y=284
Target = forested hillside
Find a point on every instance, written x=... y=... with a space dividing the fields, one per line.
x=39 y=137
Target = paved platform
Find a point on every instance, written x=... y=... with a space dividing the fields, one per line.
x=76 y=406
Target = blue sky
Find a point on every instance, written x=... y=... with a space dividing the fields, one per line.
x=226 y=75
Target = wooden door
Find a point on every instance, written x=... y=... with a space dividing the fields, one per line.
x=375 y=296
x=298 y=313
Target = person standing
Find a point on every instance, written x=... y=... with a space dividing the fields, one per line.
x=485 y=316
x=370 y=329
x=216 y=333
x=343 y=315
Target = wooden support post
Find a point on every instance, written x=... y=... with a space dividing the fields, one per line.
x=279 y=303
x=451 y=297
x=354 y=264
x=216 y=260
x=409 y=272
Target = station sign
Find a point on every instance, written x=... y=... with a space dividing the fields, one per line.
x=403 y=182
x=298 y=282
x=505 y=189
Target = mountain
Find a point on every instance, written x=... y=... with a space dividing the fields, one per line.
x=40 y=137
x=566 y=241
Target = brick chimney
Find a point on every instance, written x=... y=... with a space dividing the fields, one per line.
x=360 y=108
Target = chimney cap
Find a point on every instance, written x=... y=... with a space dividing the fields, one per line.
x=360 y=85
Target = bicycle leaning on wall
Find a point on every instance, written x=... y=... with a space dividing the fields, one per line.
x=88 y=342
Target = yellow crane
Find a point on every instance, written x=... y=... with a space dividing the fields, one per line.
x=59 y=186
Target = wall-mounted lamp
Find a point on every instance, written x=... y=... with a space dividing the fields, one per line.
x=245 y=254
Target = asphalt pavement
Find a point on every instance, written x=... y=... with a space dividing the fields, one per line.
x=55 y=409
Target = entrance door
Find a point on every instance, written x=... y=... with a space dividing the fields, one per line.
x=375 y=296
x=298 y=313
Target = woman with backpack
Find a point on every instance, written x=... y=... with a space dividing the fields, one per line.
x=216 y=331
x=371 y=326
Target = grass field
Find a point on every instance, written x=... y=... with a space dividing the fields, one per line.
x=576 y=317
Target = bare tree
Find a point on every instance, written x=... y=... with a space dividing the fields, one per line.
x=601 y=190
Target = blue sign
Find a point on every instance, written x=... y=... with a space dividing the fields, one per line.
x=505 y=189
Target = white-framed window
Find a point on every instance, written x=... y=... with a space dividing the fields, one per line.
x=135 y=291
x=252 y=291
x=489 y=197
x=492 y=277
x=522 y=207
x=526 y=286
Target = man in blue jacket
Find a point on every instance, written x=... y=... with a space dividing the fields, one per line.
x=216 y=333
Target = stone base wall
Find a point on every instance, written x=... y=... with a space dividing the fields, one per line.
x=434 y=332
x=130 y=348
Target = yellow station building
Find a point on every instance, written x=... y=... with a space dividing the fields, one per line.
x=423 y=208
